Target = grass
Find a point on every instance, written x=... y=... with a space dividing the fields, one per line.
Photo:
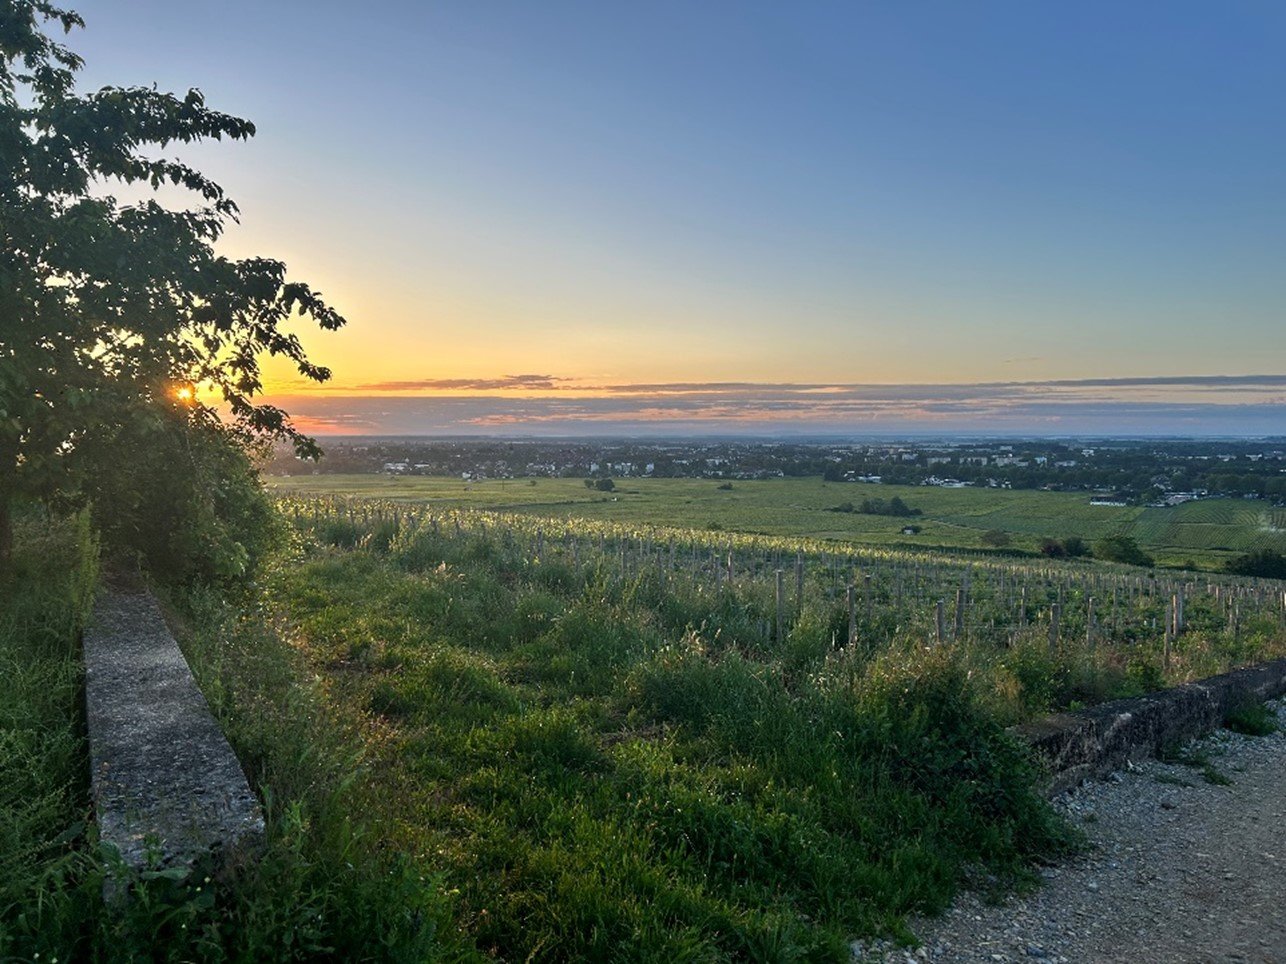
x=598 y=747
x=324 y=888
x=1252 y=719
x=597 y=764
x=1198 y=758
x=1205 y=531
x=510 y=739
x=47 y=881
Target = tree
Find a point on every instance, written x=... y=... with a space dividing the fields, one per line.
x=112 y=312
x=605 y=485
x=996 y=538
x=1074 y=547
x=1052 y=548
x=1121 y=548
x=1265 y=563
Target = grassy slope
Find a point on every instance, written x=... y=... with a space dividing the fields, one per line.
x=601 y=780
x=956 y=518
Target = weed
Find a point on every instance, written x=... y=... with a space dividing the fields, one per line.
x=1251 y=719
x=1198 y=758
x=1214 y=776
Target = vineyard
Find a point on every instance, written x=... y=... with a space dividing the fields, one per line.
x=1205 y=531
x=1180 y=625
x=706 y=746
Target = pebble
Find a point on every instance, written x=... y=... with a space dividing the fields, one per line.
x=1206 y=887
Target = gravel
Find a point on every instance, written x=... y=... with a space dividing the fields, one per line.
x=1180 y=869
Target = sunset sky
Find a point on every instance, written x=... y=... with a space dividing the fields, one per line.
x=603 y=217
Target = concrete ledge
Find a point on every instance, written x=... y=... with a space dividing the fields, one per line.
x=167 y=787
x=1095 y=741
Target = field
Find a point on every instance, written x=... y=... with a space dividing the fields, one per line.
x=696 y=745
x=485 y=735
x=1204 y=532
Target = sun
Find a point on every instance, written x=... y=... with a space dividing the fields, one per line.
x=184 y=394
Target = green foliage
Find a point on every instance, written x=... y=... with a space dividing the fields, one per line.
x=323 y=889
x=180 y=497
x=893 y=507
x=603 y=760
x=996 y=538
x=1121 y=548
x=116 y=313
x=48 y=881
x=604 y=485
x=1072 y=547
x=1251 y=718
x=1265 y=563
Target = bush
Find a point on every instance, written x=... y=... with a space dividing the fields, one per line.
x=1073 y=547
x=1052 y=548
x=1265 y=563
x=1121 y=548
x=929 y=724
x=181 y=500
x=1252 y=719
x=997 y=538
x=893 y=507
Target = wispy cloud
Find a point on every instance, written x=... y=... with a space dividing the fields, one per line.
x=1197 y=404
x=539 y=384
x=503 y=383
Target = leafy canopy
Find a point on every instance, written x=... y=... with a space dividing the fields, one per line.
x=111 y=309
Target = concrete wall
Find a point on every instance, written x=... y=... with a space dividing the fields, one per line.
x=1095 y=741
x=167 y=787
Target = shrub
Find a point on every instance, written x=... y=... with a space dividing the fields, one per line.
x=1252 y=719
x=1265 y=563
x=181 y=500
x=1073 y=547
x=1121 y=548
x=893 y=507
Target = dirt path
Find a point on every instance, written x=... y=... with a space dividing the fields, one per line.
x=1193 y=872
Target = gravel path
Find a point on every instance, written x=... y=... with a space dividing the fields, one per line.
x=1181 y=869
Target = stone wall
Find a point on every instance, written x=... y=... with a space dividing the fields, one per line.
x=167 y=787
x=1095 y=741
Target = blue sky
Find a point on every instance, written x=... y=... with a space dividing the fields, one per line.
x=663 y=193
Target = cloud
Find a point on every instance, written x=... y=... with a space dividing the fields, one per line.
x=553 y=383
x=1168 y=405
x=505 y=382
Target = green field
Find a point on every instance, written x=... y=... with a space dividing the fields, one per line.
x=1204 y=532
x=620 y=742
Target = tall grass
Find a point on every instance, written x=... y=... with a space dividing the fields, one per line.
x=324 y=889
x=48 y=882
x=630 y=768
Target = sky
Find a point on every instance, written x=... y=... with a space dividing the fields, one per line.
x=655 y=218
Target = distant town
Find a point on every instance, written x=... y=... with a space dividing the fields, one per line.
x=1111 y=472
